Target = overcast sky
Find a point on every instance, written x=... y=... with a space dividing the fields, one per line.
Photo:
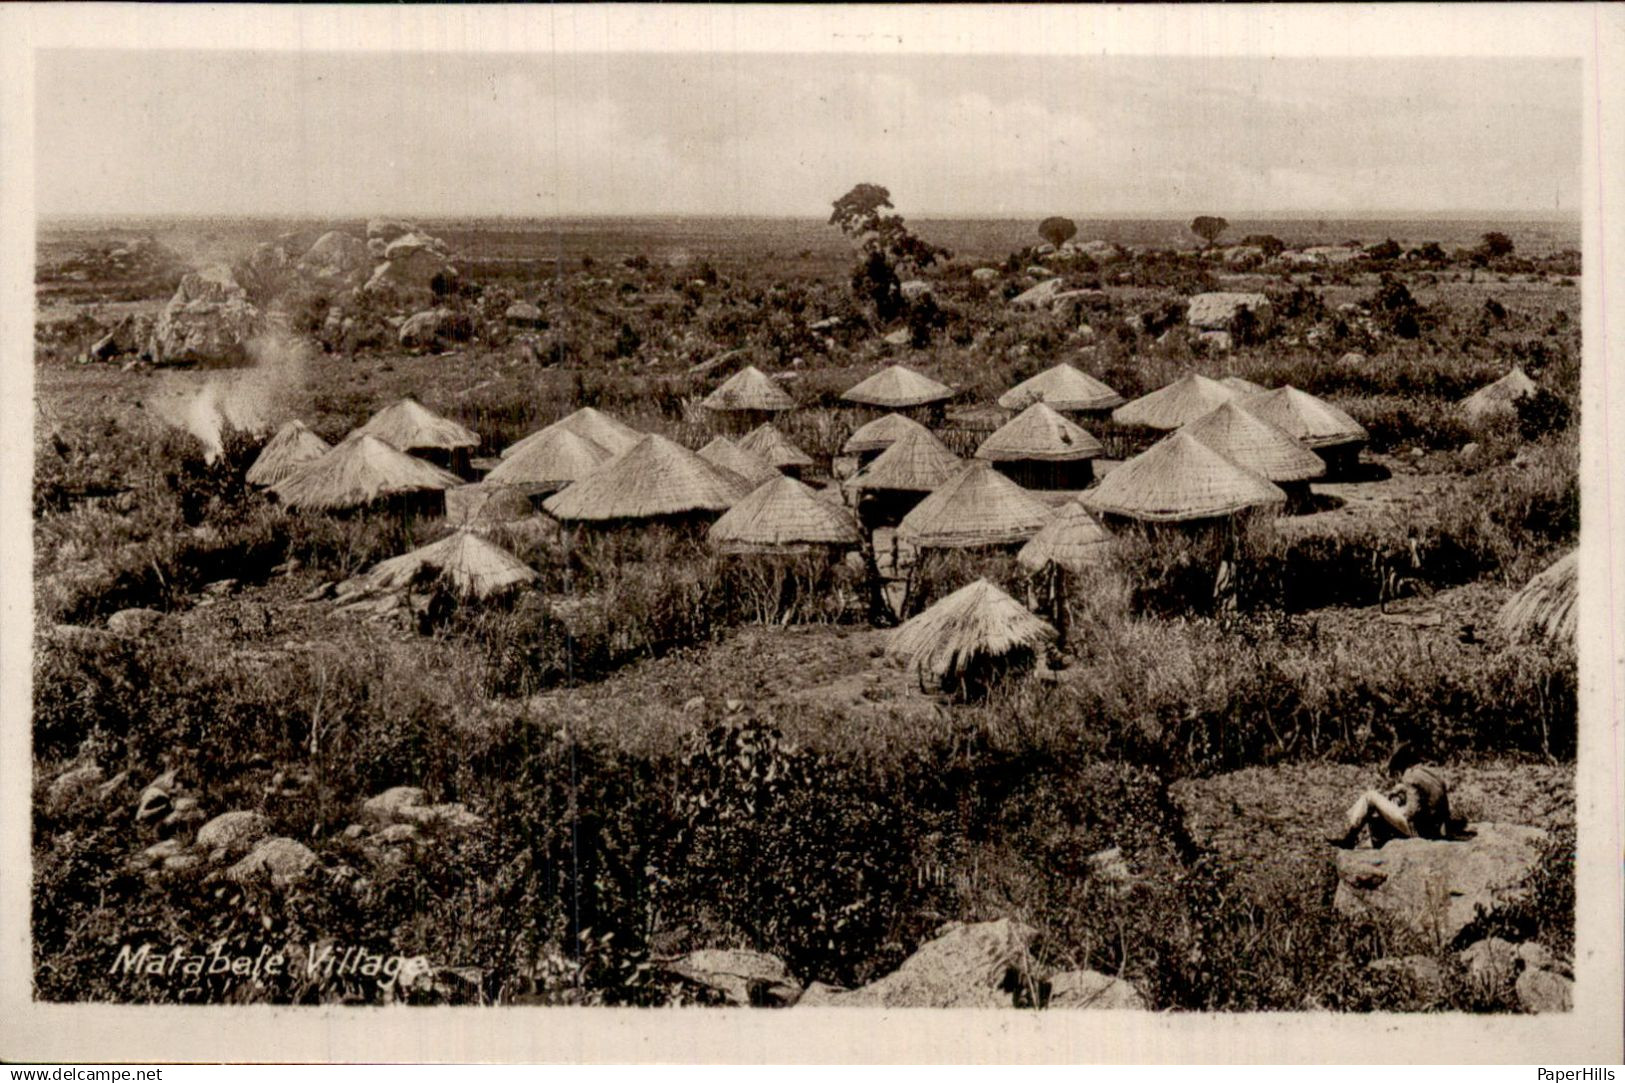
x=285 y=133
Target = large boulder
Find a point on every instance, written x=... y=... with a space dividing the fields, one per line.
x=1040 y=296
x=983 y=965
x=1544 y=991
x=412 y=269
x=1436 y=887
x=209 y=319
x=742 y=977
x=385 y=230
x=424 y=330
x=74 y=786
x=285 y=861
x=409 y=805
x=232 y=832
x=1214 y=311
x=338 y=260
x=523 y=314
x=156 y=800
x=1092 y=990
x=138 y=623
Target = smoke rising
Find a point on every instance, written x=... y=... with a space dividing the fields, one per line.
x=254 y=399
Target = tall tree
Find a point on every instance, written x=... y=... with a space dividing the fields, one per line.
x=1057 y=230
x=1208 y=227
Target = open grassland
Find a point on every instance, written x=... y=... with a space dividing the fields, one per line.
x=660 y=764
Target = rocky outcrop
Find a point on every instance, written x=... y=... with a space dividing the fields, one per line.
x=1093 y=991
x=1436 y=887
x=1040 y=296
x=283 y=860
x=232 y=833
x=409 y=805
x=984 y=965
x=742 y=977
x=1215 y=311
x=209 y=319
x=337 y=260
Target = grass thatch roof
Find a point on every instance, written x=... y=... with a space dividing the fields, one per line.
x=654 y=478
x=1177 y=480
x=767 y=442
x=897 y=388
x=408 y=425
x=752 y=467
x=1252 y=442
x=471 y=565
x=486 y=504
x=979 y=621
x=1245 y=386
x=1313 y=422
x=1072 y=538
x=748 y=389
x=611 y=435
x=917 y=462
x=977 y=506
x=286 y=453
x=1548 y=605
x=1039 y=434
x=1061 y=388
x=1498 y=397
x=880 y=434
x=783 y=516
x=550 y=460
x=1186 y=399
x=357 y=472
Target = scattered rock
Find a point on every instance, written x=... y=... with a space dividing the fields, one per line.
x=1491 y=964
x=1353 y=357
x=1534 y=956
x=694 y=705
x=408 y=805
x=231 y=833
x=1434 y=886
x=384 y=230
x=523 y=314
x=110 y=789
x=424 y=330
x=914 y=289
x=1214 y=311
x=396 y=835
x=1423 y=971
x=1090 y=989
x=1218 y=341
x=387 y=806
x=72 y=786
x=899 y=337
x=1543 y=991
x=819 y=995
x=1040 y=296
x=220 y=588
x=284 y=860
x=136 y=623
x=743 y=977
x=984 y=965
x=154 y=802
x=985 y=275
x=1109 y=865
x=130 y=334
x=337 y=259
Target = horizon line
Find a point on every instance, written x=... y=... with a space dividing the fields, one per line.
x=1522 y=214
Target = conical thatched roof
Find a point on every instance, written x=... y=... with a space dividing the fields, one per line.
x=1498 y=398
x=1061 y=388
x=1039 y=434
x=284 y=454
x=917 y=462
x=767 y=442
x=880 y=434
x=897 y=388
x=486 y=504
x=472 y=565
x=977 y=506
x=408 y=425
x=359 y=471
x=979 y=621
x=1250 y=441
x=752 y=467
x=1186 y=399
x=748 y=389
x=611 y=435
x=655 y=478
x=1180 y=479
x=782 y=516
x=550 y=460
x=1313 y=422
x=1548 y=605
x=1246 y=387
x=1071 y=539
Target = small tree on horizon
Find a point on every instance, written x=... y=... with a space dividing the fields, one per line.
x=1057 y=230
x=1496 y=245
x=887 y=249
x=1208 y=227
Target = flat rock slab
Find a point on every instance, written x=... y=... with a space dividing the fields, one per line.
x=1435 y=887
x=966 y=966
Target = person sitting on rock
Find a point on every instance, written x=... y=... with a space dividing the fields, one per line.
x=1419 y=807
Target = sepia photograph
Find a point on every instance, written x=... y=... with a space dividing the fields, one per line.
x=1096 y=531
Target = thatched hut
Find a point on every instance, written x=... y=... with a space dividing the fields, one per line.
x=364 y=470
x=1071 y=539
x=901 y=476
x=286 y=453
x=1499 y=399
x=1184 y=400
x=870 y=439
x=784 y=517
x=487 y=505
x=1548 y=606
x=1040 y=449
x=1180 y=480
x=552 y=459
x=767 y=442
x=968 y=639
x=723 y=452
x=409 y=426
x=463 y=561
x=896 y=388
x=595 y=425
x=747 y=398
x=1315 y=423
x=655 y=480
x=1062 y=388
x=1249 y=441
x=976 y=508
